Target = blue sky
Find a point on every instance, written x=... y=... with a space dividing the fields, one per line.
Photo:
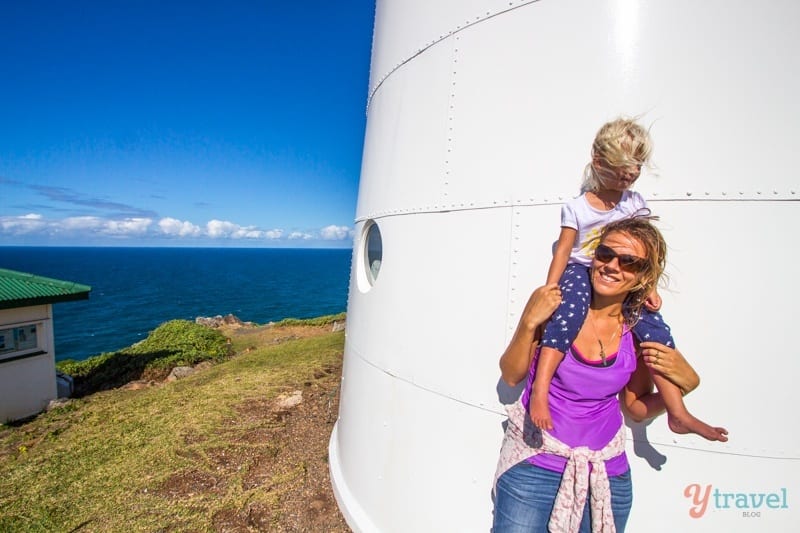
x=182 y=123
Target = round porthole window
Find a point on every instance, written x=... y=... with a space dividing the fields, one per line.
x=374 y=252
x=370 y=256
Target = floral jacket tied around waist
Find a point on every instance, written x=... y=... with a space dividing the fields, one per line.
x=571 y=498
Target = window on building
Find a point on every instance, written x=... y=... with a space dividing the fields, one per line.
x=18 y=339
x=369 y=256
x=374 y=252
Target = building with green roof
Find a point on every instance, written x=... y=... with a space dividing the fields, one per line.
x=27 y=349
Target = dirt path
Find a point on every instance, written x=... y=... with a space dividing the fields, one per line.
x=299 y=458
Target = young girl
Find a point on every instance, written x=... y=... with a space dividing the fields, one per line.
x=619 y=151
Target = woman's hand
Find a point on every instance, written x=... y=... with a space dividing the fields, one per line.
x=516 y=360
x=541 y=305
x=670 y=363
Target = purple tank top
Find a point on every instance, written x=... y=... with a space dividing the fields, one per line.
x=584 y=405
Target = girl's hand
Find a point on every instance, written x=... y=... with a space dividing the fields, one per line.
x=671 y=364
x=653 y=302
x=541 y=305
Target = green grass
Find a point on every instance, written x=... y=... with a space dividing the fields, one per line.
x=104 y=462
x=319 y=321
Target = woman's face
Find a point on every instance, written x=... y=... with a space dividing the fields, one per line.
x=610 y=278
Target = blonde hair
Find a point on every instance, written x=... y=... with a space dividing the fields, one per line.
x=621 y=142
x=641 y=229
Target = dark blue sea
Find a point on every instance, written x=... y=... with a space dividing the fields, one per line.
x=136 y=289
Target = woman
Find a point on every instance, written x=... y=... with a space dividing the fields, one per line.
x=543 y=481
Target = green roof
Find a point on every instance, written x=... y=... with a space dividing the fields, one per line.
x=18 y=289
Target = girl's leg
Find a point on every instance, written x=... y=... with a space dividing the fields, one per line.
x=559 y=332
x=651 y=327
x=525 y=496
x=566 y=322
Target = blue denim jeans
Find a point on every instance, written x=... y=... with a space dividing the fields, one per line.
x=526 y=493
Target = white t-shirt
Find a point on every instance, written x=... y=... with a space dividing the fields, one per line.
x=588 y=222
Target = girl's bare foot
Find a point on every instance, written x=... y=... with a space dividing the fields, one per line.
x=690 y=424
x=540 y=411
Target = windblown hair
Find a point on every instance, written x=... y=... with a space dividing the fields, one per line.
x=641 y=229
x=621 y=143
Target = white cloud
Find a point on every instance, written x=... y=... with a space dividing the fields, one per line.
x=79 y=224
x=219 y=229
x=30 y=223
x=334 y=233
x=299 y=235
x=177 y=228
x=128 y=226
x=92 y=227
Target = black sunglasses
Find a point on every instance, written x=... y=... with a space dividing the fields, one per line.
x=628 y=263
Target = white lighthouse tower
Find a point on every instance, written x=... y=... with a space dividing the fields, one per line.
x=481 y=114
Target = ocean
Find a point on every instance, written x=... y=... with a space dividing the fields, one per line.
x=136 y=289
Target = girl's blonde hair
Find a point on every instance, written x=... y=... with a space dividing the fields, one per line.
x=641 y=229
x=621 y=142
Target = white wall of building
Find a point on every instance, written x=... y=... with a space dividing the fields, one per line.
x=480 y=120
x=27 y=385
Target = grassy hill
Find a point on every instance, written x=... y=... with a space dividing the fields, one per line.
x=216 y=451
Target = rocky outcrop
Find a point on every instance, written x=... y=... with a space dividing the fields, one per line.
x=180 y=372
x=220 y=321
x=286 y=401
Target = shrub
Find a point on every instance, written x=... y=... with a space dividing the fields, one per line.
x=173 y=343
